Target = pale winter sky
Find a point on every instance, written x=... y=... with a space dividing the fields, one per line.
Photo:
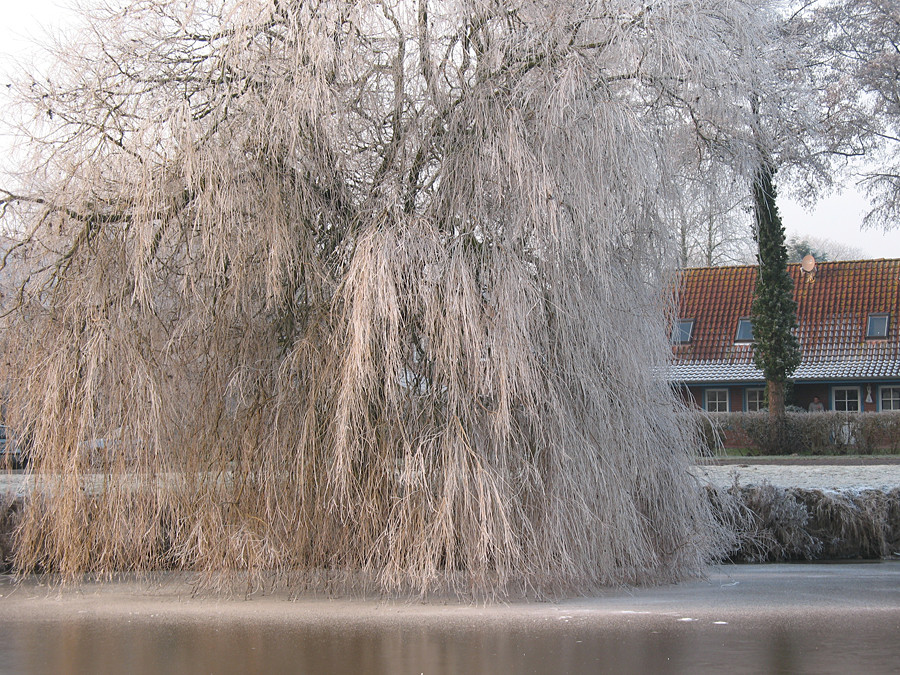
x=836 y=217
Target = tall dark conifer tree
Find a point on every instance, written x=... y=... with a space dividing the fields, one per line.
x=774 y=311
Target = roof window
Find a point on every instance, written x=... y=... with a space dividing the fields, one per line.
x=877 y=326
x=683 y=332
x=744 y=331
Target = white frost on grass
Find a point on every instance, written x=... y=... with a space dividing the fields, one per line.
x=877 y=476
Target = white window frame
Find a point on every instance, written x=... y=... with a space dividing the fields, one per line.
x=706 y=394
x=834 y=398
x=895 y=398
x=759 y=404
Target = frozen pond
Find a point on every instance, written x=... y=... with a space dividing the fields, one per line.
x=743 y=619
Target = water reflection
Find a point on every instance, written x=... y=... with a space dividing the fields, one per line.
x=648 y=647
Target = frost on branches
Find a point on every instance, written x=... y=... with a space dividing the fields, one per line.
x=364 y=293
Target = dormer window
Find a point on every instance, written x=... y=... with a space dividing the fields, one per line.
x=877 y=326
x=684 y=330
x=744 y=331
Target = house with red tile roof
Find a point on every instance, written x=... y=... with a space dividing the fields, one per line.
x=848 y=316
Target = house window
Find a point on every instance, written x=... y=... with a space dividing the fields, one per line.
x=846 y=399
x=877 y=326
x=889 y=398
x=717 y=400
x=683 y=331
x=744 y=331
x=755 y=399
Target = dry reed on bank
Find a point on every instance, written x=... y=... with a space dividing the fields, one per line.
x=365 y=292
x=10 y=517
x=784 y=524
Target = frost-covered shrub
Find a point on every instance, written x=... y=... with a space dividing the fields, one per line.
x=10 y=516
x=779 y=524
x=828 y=433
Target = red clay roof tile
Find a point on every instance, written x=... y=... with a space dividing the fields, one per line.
x=832 y=312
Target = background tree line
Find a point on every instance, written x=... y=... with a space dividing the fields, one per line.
x=838 y=68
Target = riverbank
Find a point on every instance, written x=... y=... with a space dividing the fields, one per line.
x=795 y=510
x=801 y=510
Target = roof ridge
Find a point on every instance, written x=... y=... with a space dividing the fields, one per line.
x=855 y=261
x=716 y=267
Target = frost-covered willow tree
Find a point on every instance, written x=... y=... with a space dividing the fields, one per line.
x=364 y=292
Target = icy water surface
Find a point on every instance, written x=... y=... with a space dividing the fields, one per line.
x=103 y=647
x=814 y=618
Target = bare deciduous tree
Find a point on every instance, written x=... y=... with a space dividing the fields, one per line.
x=366 y=292
x=712 y=221
x=792 y=123
x=854 y=49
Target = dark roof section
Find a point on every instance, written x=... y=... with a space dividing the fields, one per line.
x=832 y=313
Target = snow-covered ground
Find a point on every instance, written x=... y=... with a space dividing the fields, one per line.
x=828 y=477
x=881 y=476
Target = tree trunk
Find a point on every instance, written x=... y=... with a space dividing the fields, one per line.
x=777 y=437
x=776 y=400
